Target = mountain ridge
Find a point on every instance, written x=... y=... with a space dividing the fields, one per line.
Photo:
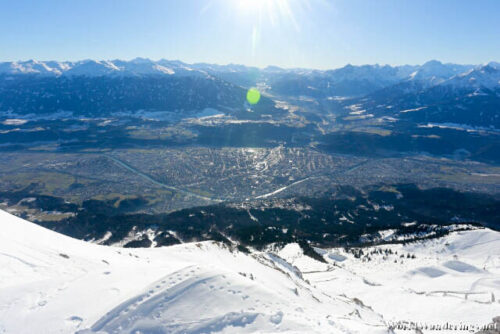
x=53 y=67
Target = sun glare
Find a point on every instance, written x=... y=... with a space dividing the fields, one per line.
x=275 y=11
x=252 y=4
x=264 y=13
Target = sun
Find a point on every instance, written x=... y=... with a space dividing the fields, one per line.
x=258 y=17
x=256 y=5
x=275 y=11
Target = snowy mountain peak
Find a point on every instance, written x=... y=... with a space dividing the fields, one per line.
x=140 y=60
x=488 y=69
x=435 y=72
x=494 y=64
x=90 y=67
x=32 y=67
x=485 y=76
x=433 y=63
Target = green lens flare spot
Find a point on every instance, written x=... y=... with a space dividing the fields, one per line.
x=253 y=96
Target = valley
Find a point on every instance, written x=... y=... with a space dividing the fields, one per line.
x=295 y=214
x=249 y=167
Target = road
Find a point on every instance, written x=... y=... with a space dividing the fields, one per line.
x=163 y=185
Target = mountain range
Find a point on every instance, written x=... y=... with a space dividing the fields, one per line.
x=433 y=85
x=371 y=77
x=432 y=72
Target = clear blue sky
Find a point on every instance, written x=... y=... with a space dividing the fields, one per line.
x=288 y=33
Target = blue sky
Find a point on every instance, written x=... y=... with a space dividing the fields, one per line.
x=288 y=33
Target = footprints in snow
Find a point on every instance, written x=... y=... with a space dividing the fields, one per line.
x=163 y=295
x=75 y=321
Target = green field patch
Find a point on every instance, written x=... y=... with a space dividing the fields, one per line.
x=47 y=182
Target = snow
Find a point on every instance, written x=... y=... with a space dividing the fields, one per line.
x=33 y=67
x=51 y=283
x=14 y=121
x=164 y=69
x=485 y=76
x=411 y=110
x=453 y=279
x=209 y=112
x=459 y=127
x=434 y=72
x=135 y=67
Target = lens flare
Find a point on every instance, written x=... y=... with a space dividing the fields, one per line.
x=253 y=96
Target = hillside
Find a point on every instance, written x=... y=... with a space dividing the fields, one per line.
x=54 y=284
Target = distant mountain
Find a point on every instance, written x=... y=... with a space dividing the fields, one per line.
x=494 y=64
x=433 y=92
x=484 y=77
x=92 y=87
x=434 y=72
x=93 y=68
x=376 y=75
x=98 y=96
x=347 y=81
x=469 y=98
x=34 y=67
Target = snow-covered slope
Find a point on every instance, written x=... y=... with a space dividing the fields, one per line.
x=50 y=283
x=454 y=279
x=482 y=77
x=95 y=68
x=434 y=72
x=34 y=67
